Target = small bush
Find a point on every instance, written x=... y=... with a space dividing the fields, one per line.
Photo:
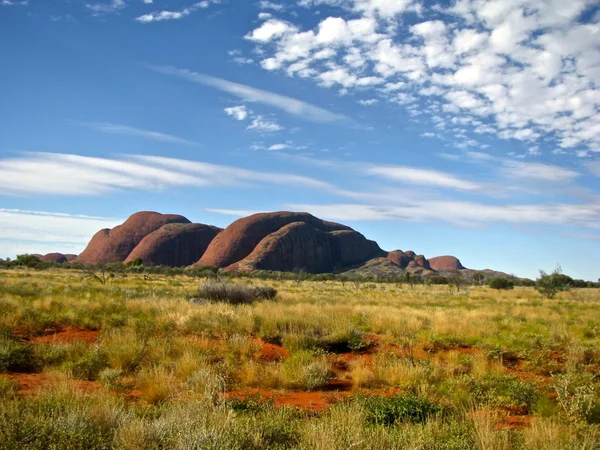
x=388 y=411
x=549 y=285
x=89 y=366
x=15 y=357
x=502 y=283
x=235 y=294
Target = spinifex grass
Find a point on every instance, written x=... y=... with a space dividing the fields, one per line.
x=396 y=366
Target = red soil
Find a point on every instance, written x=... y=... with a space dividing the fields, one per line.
x=66 y=336
x=271 y=352
x=31 y=383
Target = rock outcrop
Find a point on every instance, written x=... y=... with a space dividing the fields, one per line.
x=58 y=258
x=445 y=263
x=288 y=241
x=240 y=238
x=278 y=241
x=115 y=245
x=174 y=244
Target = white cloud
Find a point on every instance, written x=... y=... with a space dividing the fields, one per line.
x=257 y=122
x=528 y=67
x=159 y=16
x=423 y=177
x=265 y=4
x=237 y=112
x=289 y=105
x=276 y=147
x=87 y=176
x=67 y=230
x=368 y=102
x=538 y=171
x=262 y=125
x=232 y=212
x=107 y=7
x=14 y=2
x=465 y=214
x=138 y=132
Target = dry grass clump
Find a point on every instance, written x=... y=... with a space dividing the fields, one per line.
x=233 y=293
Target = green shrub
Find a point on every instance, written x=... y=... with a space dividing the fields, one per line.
x=381 y=410
x=549 y=285
x=501 y=283
x=15 y=357
x=89 y=366
x=503 y=391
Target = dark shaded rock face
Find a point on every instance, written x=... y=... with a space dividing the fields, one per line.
x=70 y=257
x=58 y=258
x=115 y=245
x=445 y=263
x=174 y=244
x=302 y=246
x=240 y=238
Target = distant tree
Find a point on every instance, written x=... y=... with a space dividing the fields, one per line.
x=549 y=285
x=501 y=283
x=437 y=279
x=27 y=260
x=99 y=273
x=478 y=279
x=456 y=280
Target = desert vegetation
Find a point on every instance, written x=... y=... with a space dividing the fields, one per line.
x=151 y=360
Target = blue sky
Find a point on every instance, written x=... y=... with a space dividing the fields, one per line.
x=469 y=128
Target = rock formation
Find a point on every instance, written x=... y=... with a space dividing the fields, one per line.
x=115 y=245
x=445 y=263
x=58 y=258
x=288 y=241
x=174 y=244
x=279 y=241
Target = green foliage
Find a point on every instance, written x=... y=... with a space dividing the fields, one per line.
x=137 y=262
x=381 y=410
x=437 y=279
x=15 y=357
x=27 y=260
x=549 y=285
x=504 y=391
x=576 y=394
x=89 y=366
x=501 y=283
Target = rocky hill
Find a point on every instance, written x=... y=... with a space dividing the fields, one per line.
x=278 y=241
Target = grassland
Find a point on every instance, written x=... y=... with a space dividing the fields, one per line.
x=324 y=365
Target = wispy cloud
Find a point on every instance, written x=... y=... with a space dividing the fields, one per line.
x=159 y=16
x=232 y=212
x=290 y=105
x=112 y=128
x=14 y=2
x=423 y=177
x=464 y=214
x=43 y=226
x=257 y=122
x=106 y=7
x=87 y=176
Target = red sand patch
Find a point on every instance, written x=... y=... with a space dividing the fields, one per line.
x=66 y=336
x=308 y=401
x=31 y=383
x=514 y=423
x=271 y=352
